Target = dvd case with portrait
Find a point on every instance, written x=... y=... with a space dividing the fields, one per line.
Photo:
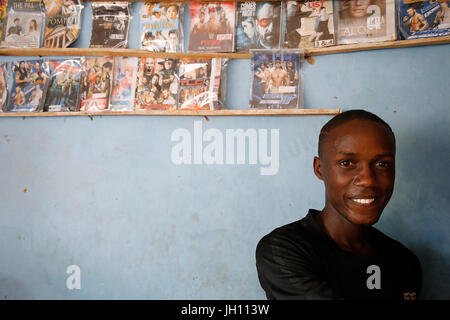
x=63 y=19
x=2 y=15
x=28 y=82
x=277 y=79
x=157 y=84
x=423 y=19
x=63 y=84
x=258 y=25
x=3 y=86
x=124 y=84
x=96 y=83
x=162 y=26
x=212 y=26
x=309 y=24
x=366 y=21
x=110 y=24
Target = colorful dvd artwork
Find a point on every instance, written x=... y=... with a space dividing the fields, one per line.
x=161 y=27
x=63 y=19
x=111 y=21
x=2 y=14
x=3 y=87
x=212 y=26
x=200 y=84
x=157 y=84
x=309 y=24
x=124 y=84
x=96 y=83
x=62 y=86
x=28 y=86
x=258 y=25
x=366 y=21
x=423 y=19
x=276 y=79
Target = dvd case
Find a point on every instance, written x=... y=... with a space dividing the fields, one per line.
x=111 y=21
x=62 y=86
x=366 y=21
x=157 y=84
x=200 y=84
x=276 y=79
x=28 y=80
x=3 y=86
x=309 y=24
x=63 y=19
x=124 y=84
x=96 y=83
x=423 y=18
x=162 y=26
x=2 y=15
x=23 y=24
x=258 y=25
x=212 y=26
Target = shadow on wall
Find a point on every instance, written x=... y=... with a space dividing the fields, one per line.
x=13 y=289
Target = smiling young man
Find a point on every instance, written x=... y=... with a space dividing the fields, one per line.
x=335 y=253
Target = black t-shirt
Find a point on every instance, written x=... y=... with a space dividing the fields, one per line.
x=300 y=261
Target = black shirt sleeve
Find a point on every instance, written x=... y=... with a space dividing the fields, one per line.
x=286 y=271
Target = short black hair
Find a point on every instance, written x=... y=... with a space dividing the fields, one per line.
x=346 y=116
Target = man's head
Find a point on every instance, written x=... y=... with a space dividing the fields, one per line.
x=358 y=8
x=411 y=11
x=356 y=162
x=149 y=66
x=265 y=17
x=248 y=27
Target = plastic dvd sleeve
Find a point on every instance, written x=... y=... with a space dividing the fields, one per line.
x=3 y=86
x=277 y=79
x=161 y=26
x=124 y=84
x=62 y=26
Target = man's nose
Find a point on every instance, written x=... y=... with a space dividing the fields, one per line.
x=365 y=176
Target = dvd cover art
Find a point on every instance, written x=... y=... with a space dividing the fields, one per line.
x=161 y=26
x=276 y=79
x=423 y=18
x=157 y=84
x=258 y=25
x=309 y=24
x=212 y=26
x=62 y=86
x=27 y=87
x=110 y=25
x=3 y=87
x=124 y=84
x=62 y=22
x=23 y=24
x=366 y=21
x=200 y=84
x=2 y=14
x=96 y=83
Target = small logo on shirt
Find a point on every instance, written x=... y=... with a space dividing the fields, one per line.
x=409 y=296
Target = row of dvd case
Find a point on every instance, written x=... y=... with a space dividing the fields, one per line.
x=224 y=26
x=140 y=84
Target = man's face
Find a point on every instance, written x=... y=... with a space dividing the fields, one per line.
x=173 y=37
x=168 y=64
x=290 y=65
x=278 y=64
x=410 y=11
x=357 y=166
x=172 y=12
x=248 y=28
x=149 y=66
x=358 y=8
x=16 y=22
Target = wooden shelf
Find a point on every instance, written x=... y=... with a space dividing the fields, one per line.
x=144 y=53
x=227 y=112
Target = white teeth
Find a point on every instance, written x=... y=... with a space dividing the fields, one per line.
x=364 y=201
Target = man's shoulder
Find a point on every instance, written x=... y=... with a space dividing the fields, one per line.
x=394 y=247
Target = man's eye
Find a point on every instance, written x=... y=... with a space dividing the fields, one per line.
x=383 y=164
x=344 y=163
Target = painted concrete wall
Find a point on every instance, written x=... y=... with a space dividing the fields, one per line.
x=105 y=195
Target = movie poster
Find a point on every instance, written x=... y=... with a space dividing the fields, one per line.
x=3 y=86
x=110 y=24
x=309 y=24
x=2 y=14
x=157 y=84
x=258 y=25
x=161 y=26
x=423 y=18
x=276 y=79
x=27 y=85
x=96 y=83
x=124 y=84
x=366 y=21
x=200 y=84
x=212 y=26
x=62 y=86
x=63 y=18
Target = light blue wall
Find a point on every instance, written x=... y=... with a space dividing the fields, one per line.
x=103 y=194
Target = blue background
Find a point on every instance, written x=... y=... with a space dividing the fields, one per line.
x=103 y=194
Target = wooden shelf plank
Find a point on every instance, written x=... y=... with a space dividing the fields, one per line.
x=227 y=112
x=144 y=53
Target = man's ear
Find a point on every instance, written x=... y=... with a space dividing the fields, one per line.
x=317 y=168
